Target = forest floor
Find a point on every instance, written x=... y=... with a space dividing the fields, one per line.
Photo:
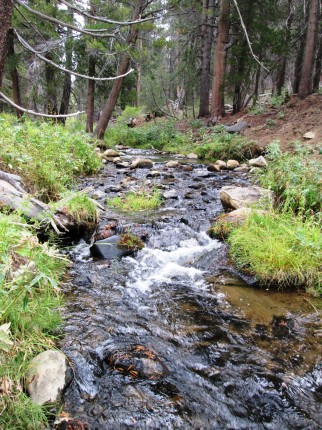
x=287 y=123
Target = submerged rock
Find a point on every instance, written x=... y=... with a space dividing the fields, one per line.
x=172 y=164
x=137 y=361
x=213 y=168
x=47 y=377
x=236 y=197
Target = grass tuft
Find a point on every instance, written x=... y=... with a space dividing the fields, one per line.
x=132 y=202
x=281 y=249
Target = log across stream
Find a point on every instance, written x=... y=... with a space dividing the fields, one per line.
x=172 y=338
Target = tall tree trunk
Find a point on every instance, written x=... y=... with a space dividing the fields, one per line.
x=207 y=34
x=67 y=87
x=51 y=87
x=139 y=75
x=90 y=84
x=280 y=80
x=218 y=102
x=123 y=68
x=14 y=74
x=90 y=95
x=6 y=8
x=306 y=82
x=318 y=62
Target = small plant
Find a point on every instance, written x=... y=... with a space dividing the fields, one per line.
x=128 y=113
x=129 y=241
x=280 y=115
x=279 y=100
x=138 y=201
x=270 y=122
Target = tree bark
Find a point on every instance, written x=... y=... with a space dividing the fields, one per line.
x=218 y=102
x=124 y=65
x=90 y=95
x=67 y=88
x=207 y=34
x=318 y=61
x=51 y=88
x=14 y=75
x=306 y=82
x=6 y=8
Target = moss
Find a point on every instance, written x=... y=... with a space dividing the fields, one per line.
x=129 y=241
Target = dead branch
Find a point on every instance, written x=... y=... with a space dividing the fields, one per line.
x=93 y=32
x=71 y=72
x=32 y=112
x=102 y=19
x=247 y=37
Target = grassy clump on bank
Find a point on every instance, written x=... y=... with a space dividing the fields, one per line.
x=78 y=206
x=29 y=299
x=206 y=143
x=132 y=202
x=295 y=179
x=48 y=156
x=281 y=249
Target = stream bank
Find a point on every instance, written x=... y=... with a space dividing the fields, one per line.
x=209 y=353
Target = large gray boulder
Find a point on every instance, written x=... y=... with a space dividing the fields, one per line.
x=237 y=197
x=236 y=128
x=47 y=377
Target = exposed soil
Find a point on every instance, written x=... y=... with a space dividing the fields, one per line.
x=287 y=123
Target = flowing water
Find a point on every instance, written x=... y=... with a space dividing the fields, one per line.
x=171 y=338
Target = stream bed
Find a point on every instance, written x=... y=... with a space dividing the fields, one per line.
x=172 y=337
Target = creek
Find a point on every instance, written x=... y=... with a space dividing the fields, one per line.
x=212 y=353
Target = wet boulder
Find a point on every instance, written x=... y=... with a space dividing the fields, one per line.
x=111 y=153
x=141 y=163
x=233 y=197
x=172 y=164
x=47 y=377
x=192 y=156
x=116 y=247
x=213 y=168
x=225 y=223
x=136 y=361
x=221 y=164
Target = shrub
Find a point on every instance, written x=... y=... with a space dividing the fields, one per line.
x=281 y=249
x=129 y=241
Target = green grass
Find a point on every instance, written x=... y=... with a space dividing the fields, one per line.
x=132 y=202
x=49 y=157
x=29 y=302
x=280 y=249
x=295 y=179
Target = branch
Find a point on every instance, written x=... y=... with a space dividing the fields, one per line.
x=100 y=18
x=31 y=112
x=71 y=72
x=247 y=37
x=94 y=33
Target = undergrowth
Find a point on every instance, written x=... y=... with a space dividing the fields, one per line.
x=207 y=144
x=29 y=299
x=49 y=157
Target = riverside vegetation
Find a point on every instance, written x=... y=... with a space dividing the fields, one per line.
x=49 y=158
x=283 y=246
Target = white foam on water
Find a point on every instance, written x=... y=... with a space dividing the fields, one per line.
x=155 y=267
